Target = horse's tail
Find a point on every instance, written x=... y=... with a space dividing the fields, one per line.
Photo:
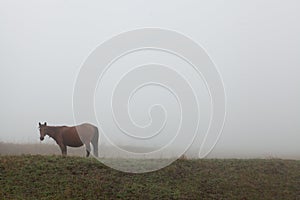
x=95 y=142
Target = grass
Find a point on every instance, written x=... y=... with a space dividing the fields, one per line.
x=55 y=177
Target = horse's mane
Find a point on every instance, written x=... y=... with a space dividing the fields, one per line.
x=54 y=127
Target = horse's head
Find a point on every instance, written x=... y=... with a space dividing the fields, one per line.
x=42 y=128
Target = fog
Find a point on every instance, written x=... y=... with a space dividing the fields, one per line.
x=255 y=45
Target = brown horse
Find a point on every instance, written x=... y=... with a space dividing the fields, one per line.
x=74 y=136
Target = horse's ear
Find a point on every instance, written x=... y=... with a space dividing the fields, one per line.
x=45 y=123
x=40 y=124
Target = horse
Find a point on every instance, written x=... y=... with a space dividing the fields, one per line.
x=74 y=136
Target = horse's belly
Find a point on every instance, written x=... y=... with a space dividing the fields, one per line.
x=72 y=140
x=74 y=144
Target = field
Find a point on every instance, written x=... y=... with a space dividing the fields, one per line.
x=55 y=177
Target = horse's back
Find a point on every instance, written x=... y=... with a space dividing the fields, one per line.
x=87 y=125
x=86 y=132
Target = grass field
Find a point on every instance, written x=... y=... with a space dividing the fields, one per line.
x=55 y=177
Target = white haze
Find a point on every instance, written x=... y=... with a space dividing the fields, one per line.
x=255 y=45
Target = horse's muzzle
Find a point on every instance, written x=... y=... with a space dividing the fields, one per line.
x=41 y=138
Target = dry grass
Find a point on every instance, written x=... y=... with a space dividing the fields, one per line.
x=55 y=177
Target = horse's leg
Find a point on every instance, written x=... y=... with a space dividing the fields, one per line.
x=95 y=142
x=63 y=149
x=88 y=149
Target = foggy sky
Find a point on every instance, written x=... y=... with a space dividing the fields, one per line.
x=254 y=44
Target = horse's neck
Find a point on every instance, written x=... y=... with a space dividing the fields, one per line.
x=52 y=132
